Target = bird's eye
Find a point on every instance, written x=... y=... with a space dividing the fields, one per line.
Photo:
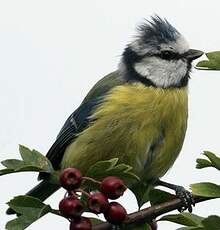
x=168 y=55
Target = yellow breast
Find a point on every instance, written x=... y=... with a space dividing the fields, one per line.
x=142 y=126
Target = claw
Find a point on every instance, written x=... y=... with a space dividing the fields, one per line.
x=186 y=197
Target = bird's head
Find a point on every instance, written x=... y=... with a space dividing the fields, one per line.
x=159 y=56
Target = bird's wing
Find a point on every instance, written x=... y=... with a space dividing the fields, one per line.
x=79 y=119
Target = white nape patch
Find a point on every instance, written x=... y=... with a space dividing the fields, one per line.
x=161 y=72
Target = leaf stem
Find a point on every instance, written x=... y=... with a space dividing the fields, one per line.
x=91 y=179
x=56 y=212
x=82 y=191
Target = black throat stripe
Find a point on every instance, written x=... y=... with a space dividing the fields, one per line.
x=131 y=57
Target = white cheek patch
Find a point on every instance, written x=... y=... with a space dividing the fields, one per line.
x=148 y=66
x=142 y=69
x=161 y=72
x=176 y=71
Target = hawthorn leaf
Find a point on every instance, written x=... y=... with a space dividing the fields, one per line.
x=13 y=163
x=191 y=228
x=212 y=161
x=32 y=160
x=111 y=167
x=95 y=221
x=213 y=62
x=158 y=196
x=206 y=189
x=141 y=192
x=6 y=171
x=187 y=219
x=203 y=163
x=211 y=222
x=29 y=209
x=215 y=161
x=35 y=158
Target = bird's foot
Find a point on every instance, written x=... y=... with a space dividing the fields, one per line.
x=186 y=197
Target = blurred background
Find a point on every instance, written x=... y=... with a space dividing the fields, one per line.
x=51 y=54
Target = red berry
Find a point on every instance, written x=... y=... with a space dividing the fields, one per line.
x=71 y=207
x=82 y=223
x=97 y=203
x=112 y=187
x=115 y=214
x=70 y=178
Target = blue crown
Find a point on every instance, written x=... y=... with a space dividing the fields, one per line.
x=157 y=31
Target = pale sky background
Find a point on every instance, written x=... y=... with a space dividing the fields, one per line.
x=52 y=52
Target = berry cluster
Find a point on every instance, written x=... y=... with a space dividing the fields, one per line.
x=72 y=208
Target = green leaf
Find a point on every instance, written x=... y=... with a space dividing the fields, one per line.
x=213 y=161
x=145 y=193
x=158 y=196
x=191 y=228
x=13 y=163
x=95 y=221
x=30 y=210
x=213 y=158
x=213 y=62
x=111 y=167
x=6 y=171
x=203 y=163
x=187 y=219
x=210 y=65
x=141 y=192
x=214 y=56
x=212 y=222
x=32 y=160
x=35 y=158
x=209 y=223
x=206 y=189
x=97 y=168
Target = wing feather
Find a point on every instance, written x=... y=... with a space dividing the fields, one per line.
x=79 y=119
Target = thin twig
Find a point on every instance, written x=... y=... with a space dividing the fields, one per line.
x=82 y=191
x=148 y=214
x=92 y=180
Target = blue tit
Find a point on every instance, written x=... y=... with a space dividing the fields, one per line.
x=138 y=113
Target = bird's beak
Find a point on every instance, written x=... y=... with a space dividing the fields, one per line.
x=193 y=54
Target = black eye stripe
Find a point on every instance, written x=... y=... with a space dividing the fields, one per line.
x=169 y=55
x=166 y=55
x=131 y=57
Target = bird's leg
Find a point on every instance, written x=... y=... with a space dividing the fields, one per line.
x=184 y=195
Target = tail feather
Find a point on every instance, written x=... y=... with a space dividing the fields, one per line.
x=41 y=191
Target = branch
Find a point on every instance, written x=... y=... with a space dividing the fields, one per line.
x=148 y=214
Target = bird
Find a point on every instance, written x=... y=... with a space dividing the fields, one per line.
x=138 y=113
